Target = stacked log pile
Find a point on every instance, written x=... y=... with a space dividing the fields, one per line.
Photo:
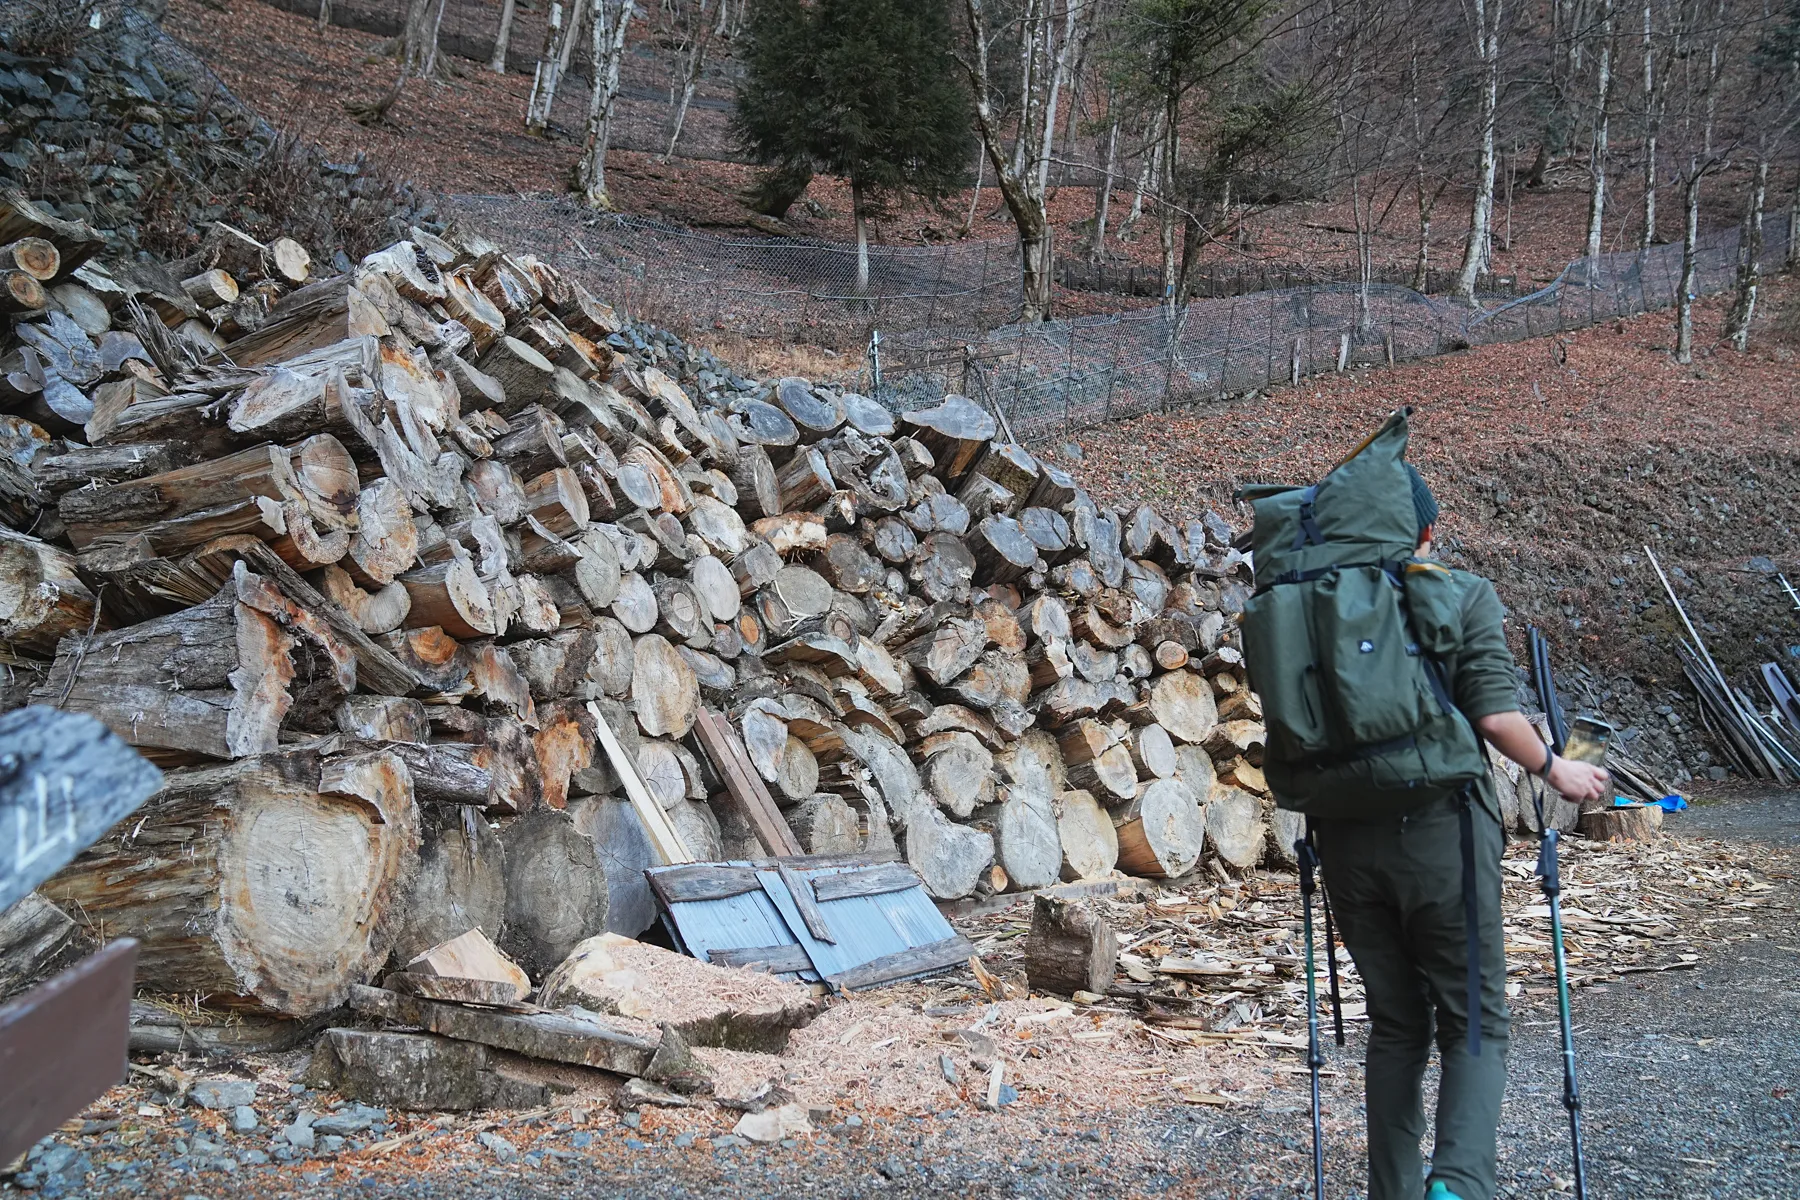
x=362 y=559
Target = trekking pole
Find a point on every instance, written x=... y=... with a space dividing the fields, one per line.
x=1315 y=1058
x=1551 y=880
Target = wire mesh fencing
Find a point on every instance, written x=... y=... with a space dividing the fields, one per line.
x=946 y=315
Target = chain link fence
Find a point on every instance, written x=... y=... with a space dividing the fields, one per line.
x=945 y=314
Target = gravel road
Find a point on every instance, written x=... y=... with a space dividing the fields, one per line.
x=1690 y=1079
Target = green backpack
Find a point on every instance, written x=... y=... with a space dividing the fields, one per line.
x=1343 y=640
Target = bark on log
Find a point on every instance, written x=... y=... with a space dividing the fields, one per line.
x=1153 y=753
x=1111 y=775
x=35 y=938
x=280 y=879
x=1001 y=549
x=1162 y=831
x=451 y=596
x=1069 y=949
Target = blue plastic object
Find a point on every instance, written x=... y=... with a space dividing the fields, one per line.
x=1670 y=803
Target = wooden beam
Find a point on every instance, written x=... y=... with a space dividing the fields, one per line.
x=804 y=902
x=663 y=838
x=744 y=785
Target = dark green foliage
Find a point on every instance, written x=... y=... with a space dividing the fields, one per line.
x=865 y=89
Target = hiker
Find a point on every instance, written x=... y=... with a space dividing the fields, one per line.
x=1381 y=672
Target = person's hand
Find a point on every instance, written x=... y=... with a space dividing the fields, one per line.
x=1578 y=781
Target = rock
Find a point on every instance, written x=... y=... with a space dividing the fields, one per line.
x=243 y=1119
x=774 y=1124
x=352 y=1118
x=221 y=1094
x=729 y=1141
x=502 y=1149
x=891 y=1168
x=298 y=1135
x=330 y=1144
x=422 y=1072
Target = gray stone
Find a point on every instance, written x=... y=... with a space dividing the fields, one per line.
x=891 y=1168
x=243 y=1119
x=299 y=1136
x=330 y=1144
x=352 y=1118
x=418 y=1072
x=502 y=1149
x=631 y=1120
x=219 y=1094
x=729 y=1141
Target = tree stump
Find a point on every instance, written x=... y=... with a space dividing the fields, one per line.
x=1069 y=949
x=1162 y=831
x=1235 y=828
x=1622 y=823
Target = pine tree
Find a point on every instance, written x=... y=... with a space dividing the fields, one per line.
x=859 y=88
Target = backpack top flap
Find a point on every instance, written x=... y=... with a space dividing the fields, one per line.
x=1362 y=511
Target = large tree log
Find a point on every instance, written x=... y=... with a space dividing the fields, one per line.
x=1161 y=832
x=817 y=414
x=460 y=884
x=1182 y=703
x=1069 y=949
x=1110 y=775
x=1002 y=550
x=212 y=680
x=556 y=890
x=278 y=879
x=1026 y=841
x=956 y=433
x=825 y=824
x=451 y=596
x=1090 y=844
x=958 y=772
x=494 y=768
x=948 y=857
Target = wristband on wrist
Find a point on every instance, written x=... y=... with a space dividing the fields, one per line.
x=1549 y=761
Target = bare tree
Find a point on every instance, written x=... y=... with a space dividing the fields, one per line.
x=696 y=23
x=502 y=38
x=1602 y=114
x=416 y=48
x=1485 y=23
x=1023 y=173
x=561 y=27
x=610 y=19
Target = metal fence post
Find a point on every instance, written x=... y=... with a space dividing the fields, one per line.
x=1112 y=370
x=1069 y=381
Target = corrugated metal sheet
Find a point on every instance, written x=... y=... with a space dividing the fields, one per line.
x=864 y=929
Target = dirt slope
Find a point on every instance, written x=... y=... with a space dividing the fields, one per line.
x=1556 y=461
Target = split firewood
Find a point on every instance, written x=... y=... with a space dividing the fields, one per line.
x=1161 y=832
x=1235 y=829
x=1090 y=844
x=1070 y=948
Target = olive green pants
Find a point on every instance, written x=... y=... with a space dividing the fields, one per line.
x=1395 y=887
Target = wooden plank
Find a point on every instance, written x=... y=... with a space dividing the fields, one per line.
x=708 y=881
x=781 y=960
x=663 y=838
x=744 y=785
x=918 y=960
x=453 y=989
x=873 y=881
x=551 y=1036
x=65 y=779
x=62 y=1045
x=802 y=896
